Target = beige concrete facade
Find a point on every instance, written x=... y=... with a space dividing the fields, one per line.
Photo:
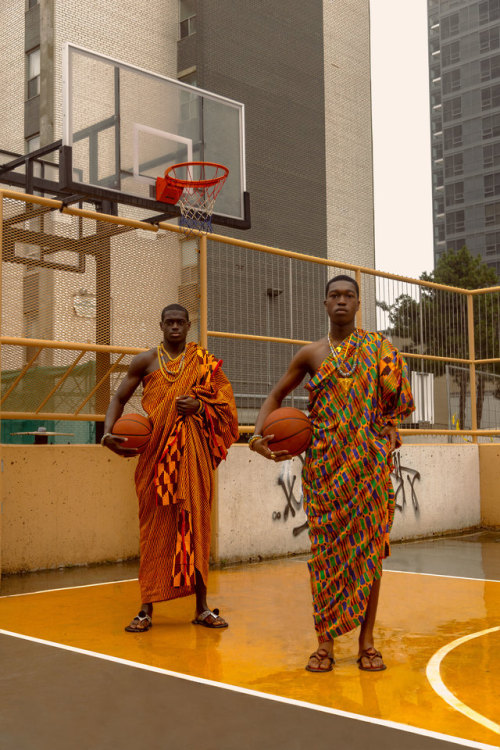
x=348 y=133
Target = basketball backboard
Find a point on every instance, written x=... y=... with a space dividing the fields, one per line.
x=124 y=126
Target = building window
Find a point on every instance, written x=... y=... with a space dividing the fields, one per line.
x=490 y=97
x=33 y=72
x=492 y=214
x=439 y=233
x=451 y=81
x=450 y=54
x=492 y=243
x=439 y=205
x=454 y=165
x=437 y=151
x=187 y=18
x=491 y=156
x=437 y=178
x=452 y=109
x=489 y=11
x=491 y=126
x=455 y=222
x=454 y=193
x=449 y=26
x=32 y=143
x=491 y=185
x=453 y=137
x=489 y=39
x=456 y=244
x=490 y=68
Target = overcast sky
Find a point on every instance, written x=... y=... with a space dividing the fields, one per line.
x=401 y=137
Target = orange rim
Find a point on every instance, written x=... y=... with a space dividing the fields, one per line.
x=196 y=183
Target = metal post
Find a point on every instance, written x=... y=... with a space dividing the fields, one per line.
x=359 y=314
x=103 y=318
x=472 y=365
x=202 y=249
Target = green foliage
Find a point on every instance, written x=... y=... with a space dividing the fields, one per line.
x=462 y=269
x=436 y=323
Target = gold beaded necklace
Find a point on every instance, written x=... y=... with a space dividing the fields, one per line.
x=344 y=370
x=170 y=375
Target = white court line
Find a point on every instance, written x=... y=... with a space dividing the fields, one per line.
x=232 y=567
x=441 y=575
x=67 y=588
x=437 y=684
x=256 y=693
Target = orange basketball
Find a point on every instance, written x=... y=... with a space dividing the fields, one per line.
x=136 y=428
x=291 y=428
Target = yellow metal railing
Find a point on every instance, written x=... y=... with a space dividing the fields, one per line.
x=471 y=362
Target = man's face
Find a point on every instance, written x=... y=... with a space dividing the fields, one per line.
x=175 y=326
x=342 y=302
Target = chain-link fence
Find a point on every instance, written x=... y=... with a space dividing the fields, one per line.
x=82 y=292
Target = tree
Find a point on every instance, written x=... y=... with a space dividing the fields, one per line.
x=436 y=323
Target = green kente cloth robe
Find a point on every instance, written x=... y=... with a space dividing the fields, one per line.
x=348 y=493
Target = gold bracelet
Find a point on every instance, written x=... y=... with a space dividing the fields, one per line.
x=253 y=439
x=200 y=407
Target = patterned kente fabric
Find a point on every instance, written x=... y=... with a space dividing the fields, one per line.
x=348 y=494
x=174 y=475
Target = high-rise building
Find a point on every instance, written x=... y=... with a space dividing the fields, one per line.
x=302 y=70
x=464 y=64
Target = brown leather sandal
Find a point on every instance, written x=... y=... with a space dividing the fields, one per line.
x=371 y=654
x=140 y=623
x=320 y=655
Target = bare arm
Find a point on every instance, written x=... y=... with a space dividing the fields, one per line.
x=126 y=389
x=298 y=367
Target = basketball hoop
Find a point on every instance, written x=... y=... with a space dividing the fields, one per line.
x=194 y=186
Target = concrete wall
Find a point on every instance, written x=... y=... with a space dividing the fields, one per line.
x=66 y=505
x=489 y=466
x=71 y=505
x=260 y=503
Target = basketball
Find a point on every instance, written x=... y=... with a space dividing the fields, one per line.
x=136 y=428
x=291 y=428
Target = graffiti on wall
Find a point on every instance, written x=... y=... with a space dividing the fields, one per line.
x=290 y=483
x=398 y=476
x=403 y=480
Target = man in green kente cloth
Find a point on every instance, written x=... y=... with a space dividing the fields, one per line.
x=358 y=391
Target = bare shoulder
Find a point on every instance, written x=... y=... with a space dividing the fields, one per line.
x=143 y=362
x=311 y=356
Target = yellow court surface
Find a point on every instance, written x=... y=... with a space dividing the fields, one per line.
x=439 y=635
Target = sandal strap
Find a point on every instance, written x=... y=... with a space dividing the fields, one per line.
x=207 y=612
x=317 y=655
x=143 y=616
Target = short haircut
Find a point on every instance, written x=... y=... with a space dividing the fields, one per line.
x=342 y=277
x=175 y=306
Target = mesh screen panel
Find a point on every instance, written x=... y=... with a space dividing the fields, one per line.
x=97 y=283
x=74 y=279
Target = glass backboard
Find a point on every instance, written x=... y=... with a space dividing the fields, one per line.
x=124 y=126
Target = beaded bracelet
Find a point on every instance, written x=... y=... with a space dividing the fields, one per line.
x=253 y=439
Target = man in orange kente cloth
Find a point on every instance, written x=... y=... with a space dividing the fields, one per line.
x=358 y=390
x=191 y=407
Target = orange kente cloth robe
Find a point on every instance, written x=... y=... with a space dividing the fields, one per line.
x=175 y=474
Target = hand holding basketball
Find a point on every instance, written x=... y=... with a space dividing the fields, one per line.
x=130 y=435
x=261 y=446
x=286 y=433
